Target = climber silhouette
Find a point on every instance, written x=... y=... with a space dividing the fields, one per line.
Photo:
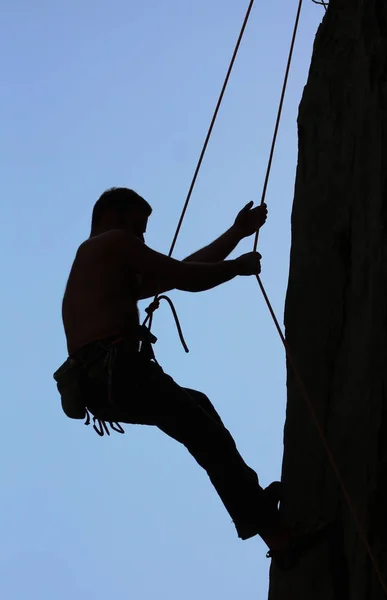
x=112 y=270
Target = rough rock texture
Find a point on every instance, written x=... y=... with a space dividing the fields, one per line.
x=336 y=307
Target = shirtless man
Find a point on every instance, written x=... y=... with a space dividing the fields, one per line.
x=112 y=270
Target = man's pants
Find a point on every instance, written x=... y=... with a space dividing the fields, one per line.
x=141 y=393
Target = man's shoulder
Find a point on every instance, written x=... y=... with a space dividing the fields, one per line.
x=112 y=239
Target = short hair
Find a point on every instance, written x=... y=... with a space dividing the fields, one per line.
x=119 y=200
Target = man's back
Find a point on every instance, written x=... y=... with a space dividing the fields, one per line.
x=101 y=293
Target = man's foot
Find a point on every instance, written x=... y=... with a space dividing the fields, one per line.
x=286 y=546
x=274 y=533
x=267 y=518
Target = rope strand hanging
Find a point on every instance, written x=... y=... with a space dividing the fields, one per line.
x=279 y=113
x=206 y=141
x=211 y=127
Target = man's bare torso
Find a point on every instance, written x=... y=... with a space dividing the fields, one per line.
x=101 y=293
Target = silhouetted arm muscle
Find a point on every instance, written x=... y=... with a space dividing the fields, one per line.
x=219 y=249
x=160 y=273
x=204 y=276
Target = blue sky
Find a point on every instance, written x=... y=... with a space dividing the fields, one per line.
x=121 y=93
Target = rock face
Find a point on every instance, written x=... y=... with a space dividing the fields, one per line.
x=336 y=308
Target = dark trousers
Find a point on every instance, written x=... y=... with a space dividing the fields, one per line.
x=141 y=393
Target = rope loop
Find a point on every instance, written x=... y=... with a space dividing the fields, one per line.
x=154 y=305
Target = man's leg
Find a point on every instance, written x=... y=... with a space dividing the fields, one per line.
x=189 y=417
x=205 y=403
x=142 y=393
x=213 y=447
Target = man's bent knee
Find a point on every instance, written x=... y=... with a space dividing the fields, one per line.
x=204 y=403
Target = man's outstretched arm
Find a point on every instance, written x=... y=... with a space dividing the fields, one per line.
x=203 y=276
x=218 y=250
x=161 y=273
x=248 y=221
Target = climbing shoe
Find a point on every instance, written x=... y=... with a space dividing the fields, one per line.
x=290 y=556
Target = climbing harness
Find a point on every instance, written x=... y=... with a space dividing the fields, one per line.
x=336 y=470
x=95 y=361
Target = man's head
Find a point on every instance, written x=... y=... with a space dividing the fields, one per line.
x=120 y=208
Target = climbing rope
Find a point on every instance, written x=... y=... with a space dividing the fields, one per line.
x=153 y=306
x=279 y=113
x=336 y=470
x=211 y=127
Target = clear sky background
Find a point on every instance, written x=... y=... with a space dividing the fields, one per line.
x=96 y=94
